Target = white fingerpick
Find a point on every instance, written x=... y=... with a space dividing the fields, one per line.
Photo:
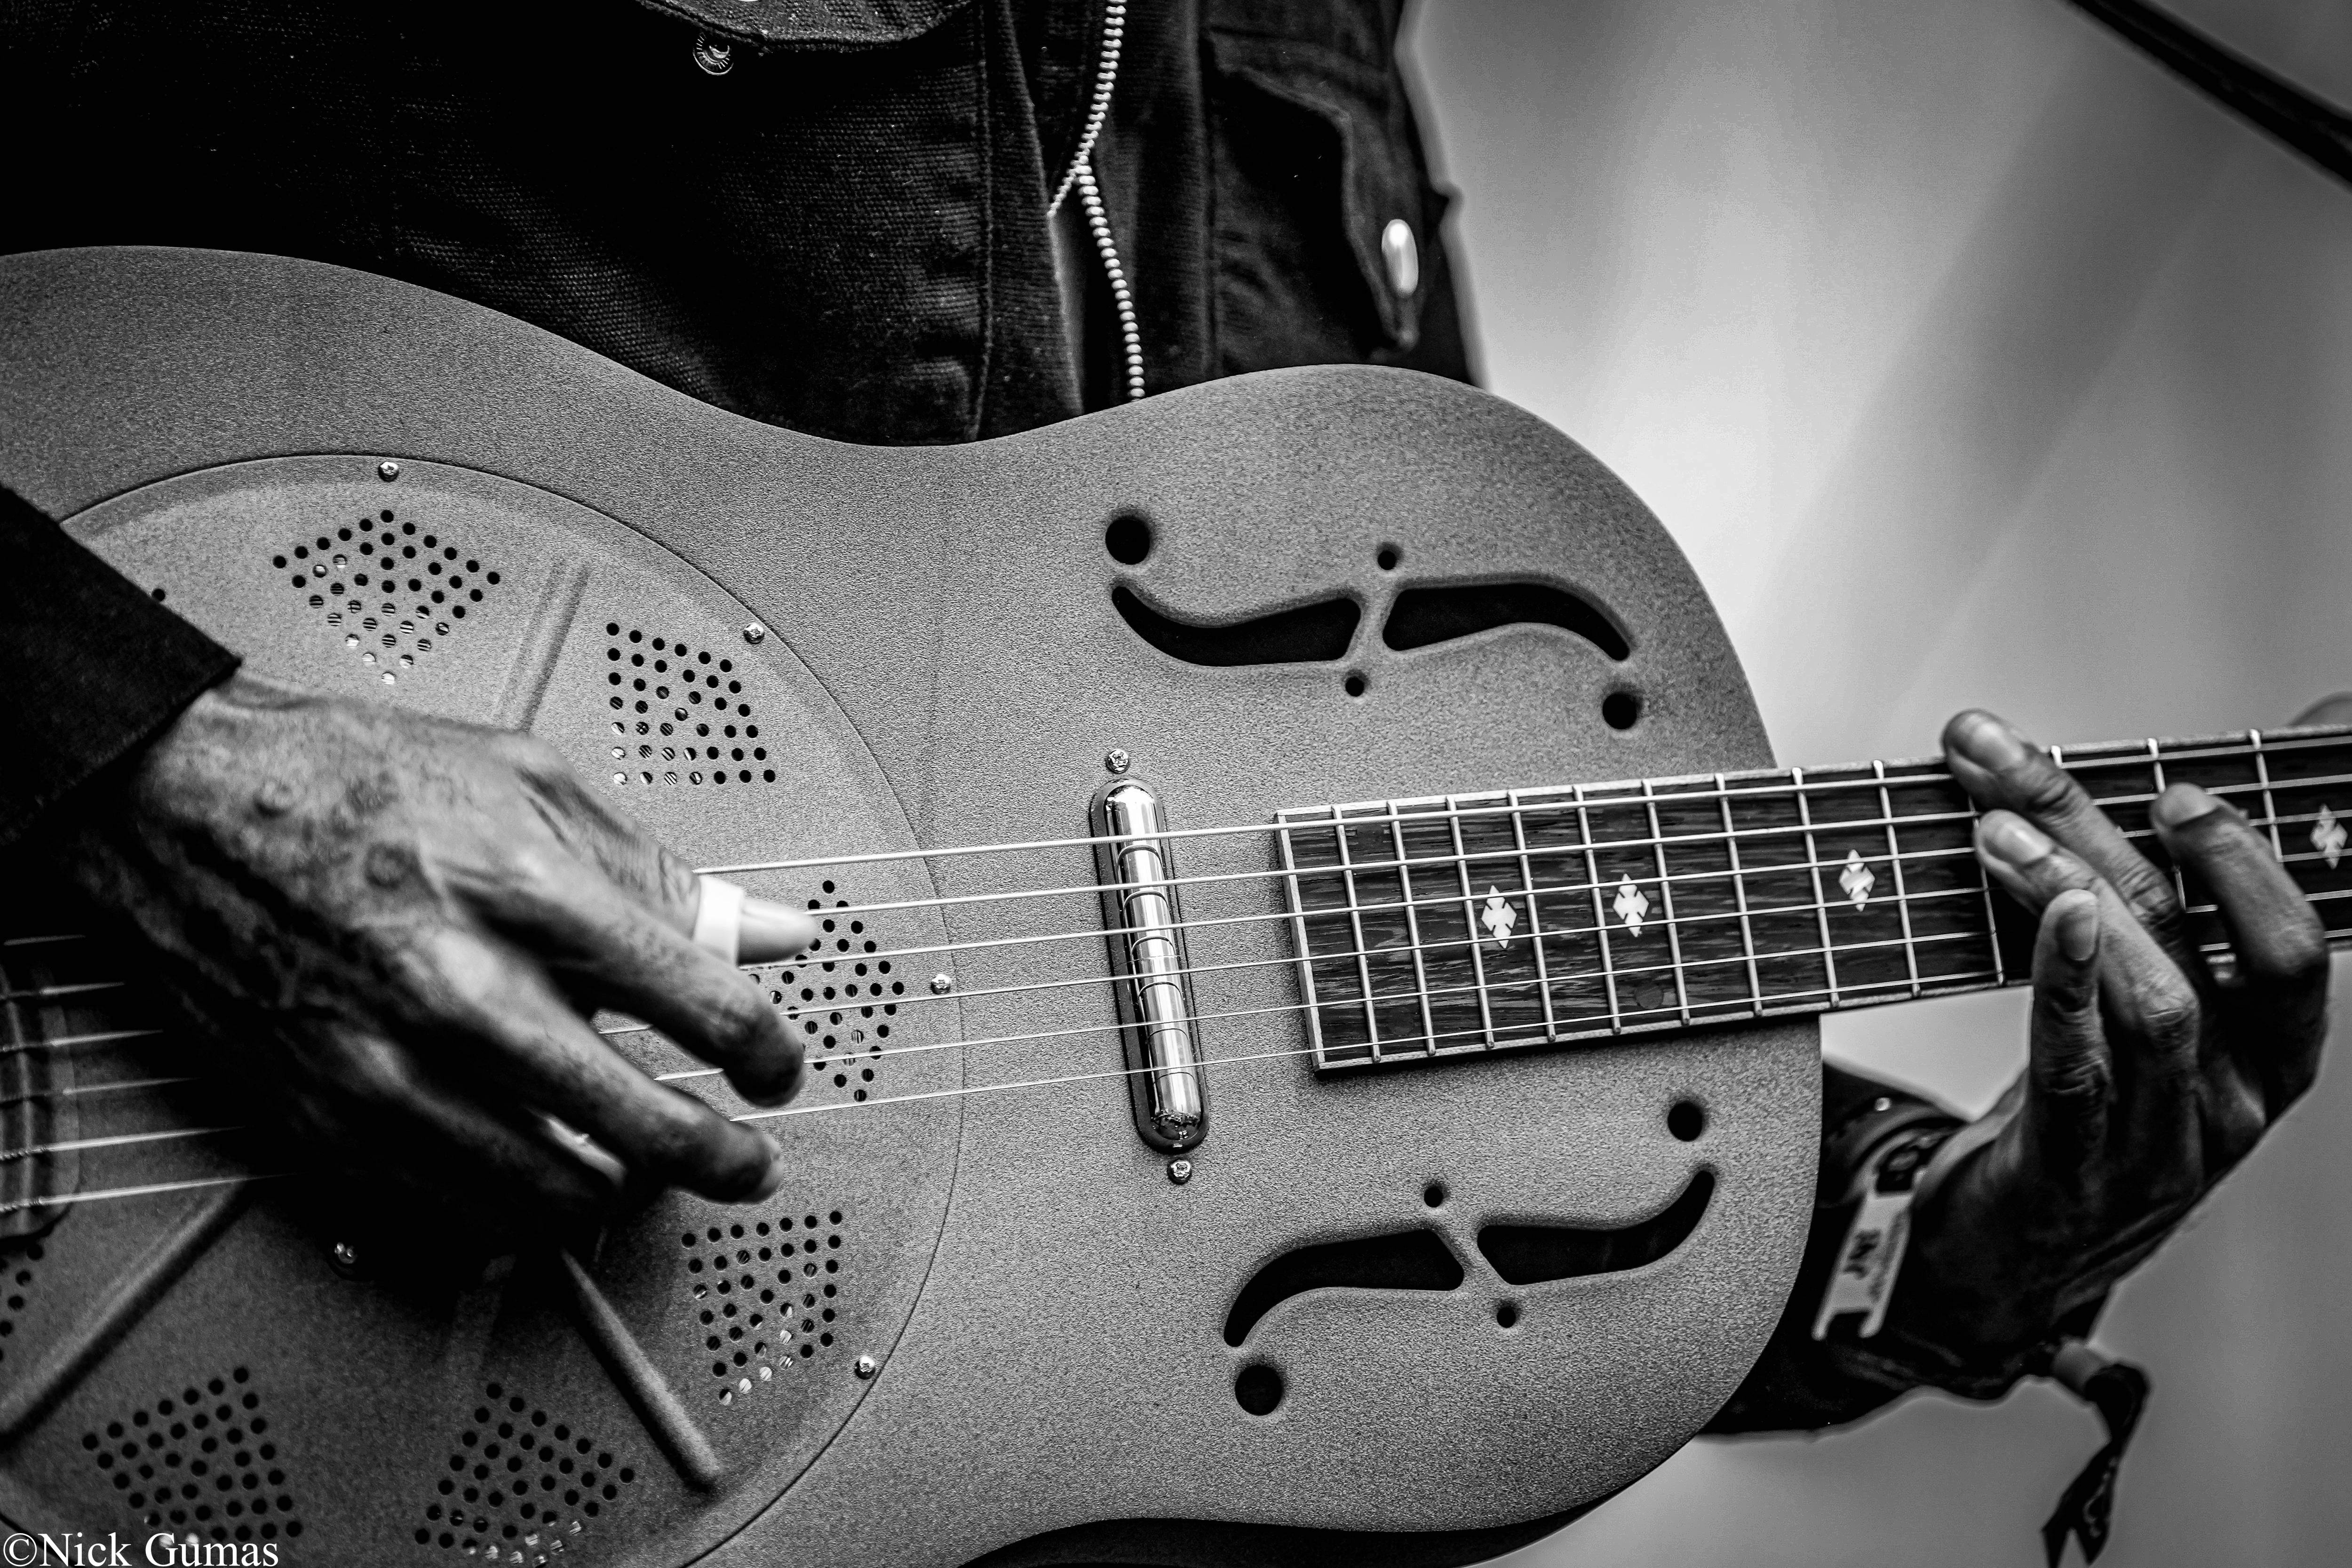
x=718 y=919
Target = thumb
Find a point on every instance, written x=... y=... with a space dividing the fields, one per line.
x=2070 y=1074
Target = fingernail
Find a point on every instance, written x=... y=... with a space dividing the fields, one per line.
x=2182 y=804
x=774 y=1179
x=1989 y=743
x=772 y=930
x=2078 y=925
x=2013 y=840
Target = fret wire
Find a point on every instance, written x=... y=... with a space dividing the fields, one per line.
x=2155 y=760
x=1356 y=920
x=1821 y=898
x=2270 y=807
x=1600 y=918
x=1470 y=927
x=1895 y=864
x=1298 y=931
x=1739 y=894
x=1412 y=933
x=1984 y=885
x=1666 y=898
x=1535 y=923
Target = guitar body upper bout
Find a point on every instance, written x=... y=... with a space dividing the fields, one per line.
x=1437 y=1296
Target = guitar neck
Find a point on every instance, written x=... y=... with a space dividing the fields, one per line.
x=1470 y=923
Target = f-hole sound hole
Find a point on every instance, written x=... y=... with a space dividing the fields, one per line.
x=1619 y=709
x=1686 y=1121
x=1388 y=557
x=1507 y=1315
x=1422 y=616
x=1433 y=1195
x=1129 y=539
x=1532 y=1254
x=1258 y=1389
x=1399 y=1260
x=1306 y=634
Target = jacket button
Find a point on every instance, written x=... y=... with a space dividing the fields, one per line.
x=1402 y=254
x=716 y=55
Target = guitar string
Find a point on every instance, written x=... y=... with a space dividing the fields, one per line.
x=1327 y=872
x=1447 y=904
x=1660 y=1016
x=1371 y=819
x=880 y=1103
x=1569 y=795
x=1906 y=897
x=1397 y=952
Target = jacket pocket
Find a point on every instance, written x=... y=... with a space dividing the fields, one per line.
x=1326 y=221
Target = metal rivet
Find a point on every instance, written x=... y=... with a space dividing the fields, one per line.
x=1179 y=1171
x=942 y=984
x=344 y=1257
x=755 y=633
x=866 y=1366
x=1402 y=254
x=1115 y=760
x=715 y=56
x=387 y=470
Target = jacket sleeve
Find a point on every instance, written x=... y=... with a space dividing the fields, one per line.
x=1802 y=1383
x=91 y=667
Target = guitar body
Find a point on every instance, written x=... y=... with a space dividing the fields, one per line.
x=971 y=1319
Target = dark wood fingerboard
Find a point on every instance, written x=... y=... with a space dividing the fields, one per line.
x=1462 y=924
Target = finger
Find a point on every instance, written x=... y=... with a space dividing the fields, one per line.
x=1999 y=767
x=646 y=870
x=743 y=929
x=2152 y=1007
x=2068 y=1073
x=524 y=1035
x=2281 y=945
x=367 y=1095
x=618 y=954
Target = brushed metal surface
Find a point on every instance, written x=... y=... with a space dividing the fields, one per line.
x=941 y=635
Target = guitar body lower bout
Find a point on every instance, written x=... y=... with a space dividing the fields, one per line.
x=1437 y=1298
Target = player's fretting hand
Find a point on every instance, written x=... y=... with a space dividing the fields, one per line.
x=2149 y=1079
x=398 y=925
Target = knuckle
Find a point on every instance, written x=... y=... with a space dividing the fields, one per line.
x=2042 y=788
x=2147 y=890
x=2171 y=1013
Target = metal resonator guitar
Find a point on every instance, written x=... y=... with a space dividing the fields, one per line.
x=1262 y=1091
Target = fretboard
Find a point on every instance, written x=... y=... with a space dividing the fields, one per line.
x=1462 y=924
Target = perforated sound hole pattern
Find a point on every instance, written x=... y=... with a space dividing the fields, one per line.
x=520 y=1484
x=840 y=999
x=765 y=1292
x=393 y=590
x=201 y=1462
x=18 y=1271
x=682 y=717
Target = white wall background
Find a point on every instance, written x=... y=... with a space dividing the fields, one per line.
x=1973 y=360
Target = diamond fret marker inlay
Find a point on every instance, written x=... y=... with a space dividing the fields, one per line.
x=1499 y=916
x=1857 y=878
x=2327 y=836
x=1631 y=905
